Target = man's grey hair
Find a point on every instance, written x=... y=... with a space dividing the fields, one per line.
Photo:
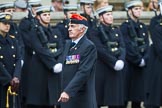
x=83 y=26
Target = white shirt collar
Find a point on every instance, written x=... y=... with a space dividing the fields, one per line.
x=77 y=40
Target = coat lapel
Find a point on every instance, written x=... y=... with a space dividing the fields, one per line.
x=77 y=46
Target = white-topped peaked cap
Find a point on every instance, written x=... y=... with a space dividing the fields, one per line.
x=133 y=3
x=87 y=1
x=5 y=17
x=20 y=4
x=43 y=9
x=104 y=9
x=6 y=5
x=34 y=2
x=70 y=7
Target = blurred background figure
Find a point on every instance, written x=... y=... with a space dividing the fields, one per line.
x=110 y=63
x=157 y=18
x=153 y=85
x=57 y=5
x=63 y=25
x=100 y=3
x=86 y=8
x=34 y=4
x=135 y=35
x=7 y=7
x=153 y=5
x=20 y=6
x=10 y=63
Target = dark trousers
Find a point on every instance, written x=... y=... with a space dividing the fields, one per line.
x=116 y=107
x=37 y=106
x=146 y=106
x=136 y=104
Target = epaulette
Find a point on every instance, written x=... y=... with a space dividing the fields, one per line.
x=12 y=36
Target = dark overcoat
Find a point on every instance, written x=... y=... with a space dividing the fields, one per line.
x=10 y=65
x=135 y=35
x=63 y=28
x=15 y=31
x=78 y=76
x=42 y=85
x=153 y=81
x=109 y=82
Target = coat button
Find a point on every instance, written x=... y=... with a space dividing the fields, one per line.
x=33 y=52
x=14 y=56
x=141 y=26
x=116 y=35
x=112 y=49
x=14 y=65
x=55 y=36
x=144 y=34
x=0 y=47
x=12 y=47
x=1 y=57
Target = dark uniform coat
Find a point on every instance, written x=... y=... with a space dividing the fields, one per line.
x=42 y=85
x=91 y=24
x=78 y=76
x=137 y=44
x=10 y=65
x=15 y=31
x=109 y=82
x=25 y=26
x=154 y=75
x=153 y=22
x=63 y=28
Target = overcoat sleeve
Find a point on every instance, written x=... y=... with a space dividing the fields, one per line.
x=17 y=71
x=5 y=77
x=157 y=40
x=133 y=55
x=103 y=52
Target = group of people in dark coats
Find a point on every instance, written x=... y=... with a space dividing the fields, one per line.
x=47 y=53
x=81 y=62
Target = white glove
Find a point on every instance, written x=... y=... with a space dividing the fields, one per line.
x=22 y=63
x=57 y=68
x=119 y=65
x=142 y=63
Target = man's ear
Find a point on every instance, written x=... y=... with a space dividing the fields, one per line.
x=83 y=29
